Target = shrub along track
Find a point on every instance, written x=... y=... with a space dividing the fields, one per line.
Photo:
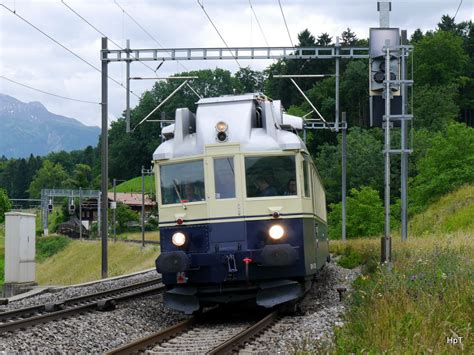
x=101 y=301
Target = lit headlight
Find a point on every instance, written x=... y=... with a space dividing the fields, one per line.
x=178 y=239
x=221 y=126
x=276 y=232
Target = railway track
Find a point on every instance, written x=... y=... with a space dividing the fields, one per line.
x=101 y=301
x=195 y=336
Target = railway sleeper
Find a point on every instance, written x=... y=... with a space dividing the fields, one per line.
x=106 y=305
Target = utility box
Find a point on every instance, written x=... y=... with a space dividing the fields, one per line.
x=20 y=249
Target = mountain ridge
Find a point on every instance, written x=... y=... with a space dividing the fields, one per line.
x=29 y=128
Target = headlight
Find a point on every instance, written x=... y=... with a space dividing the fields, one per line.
x=276 y=232
x=178 y=239
x=221 y=126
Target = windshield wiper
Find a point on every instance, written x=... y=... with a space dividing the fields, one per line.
x=179 y=195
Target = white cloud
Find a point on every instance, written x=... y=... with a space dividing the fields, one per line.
x=29 y=57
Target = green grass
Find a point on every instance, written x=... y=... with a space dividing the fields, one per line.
x=150 y=235
x=452 y=212
x=427 y=297
x=48 y=246
x=135 y=185
x=80 y=261
x=2 y=254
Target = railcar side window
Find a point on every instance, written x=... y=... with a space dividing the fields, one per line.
x=224 y=177
x=306 y=176
x=270 y=176
x=182 y=182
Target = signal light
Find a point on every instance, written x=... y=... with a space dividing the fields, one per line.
x=221 y=136
x=72 y=208
x=50 y=206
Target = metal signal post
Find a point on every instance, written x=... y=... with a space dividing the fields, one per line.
x=104 y=159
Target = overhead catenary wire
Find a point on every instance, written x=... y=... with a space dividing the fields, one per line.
x=145 y=31
x=258 y=23
x=49 y=93
x=222 y=38
x=64 y=47
x=286 y=25
x=102 y=33
x=459 y=6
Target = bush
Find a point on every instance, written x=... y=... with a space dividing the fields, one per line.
x=447 y=165
x=365 y=215
x=124 y=215
x=5 y=204
x=2 y=269
x=48 y=246
x=152 y=223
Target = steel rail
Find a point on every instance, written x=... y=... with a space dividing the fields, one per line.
x=141 y=345
x=239 y=340
x=153 y=339
x=24 y=317
x=131 y=241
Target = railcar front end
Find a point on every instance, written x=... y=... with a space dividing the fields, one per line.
x=242 y=218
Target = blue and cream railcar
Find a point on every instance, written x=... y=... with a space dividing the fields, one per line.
x=241 y=205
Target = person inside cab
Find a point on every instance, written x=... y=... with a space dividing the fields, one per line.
x=291 y=187
x=189 y=194
x=264 y=188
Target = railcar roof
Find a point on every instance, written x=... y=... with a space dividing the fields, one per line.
x=253 y=120
x=230 y=98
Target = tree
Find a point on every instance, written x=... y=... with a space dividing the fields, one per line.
x=364 y=163
x=348 y=37
x=48 y=177
x=435 y=106
x=448 y=164
x=250 y=80
x=439 y=59
x=447 y=23
x=5 y=204
x=416 y=36
x=82 y=177
x=355 y=92
x=124 y=214
x=324 y=39
x=365 y=215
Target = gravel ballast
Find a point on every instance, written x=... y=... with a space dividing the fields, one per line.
x=55 y=294
x=321 y=311
x=97 y=332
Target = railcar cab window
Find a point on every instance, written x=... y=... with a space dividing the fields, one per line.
x=182 y=182
x=270 y=176
x=224 y=177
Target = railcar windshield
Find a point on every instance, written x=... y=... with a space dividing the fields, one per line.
x=182 y=182
x=270 y=176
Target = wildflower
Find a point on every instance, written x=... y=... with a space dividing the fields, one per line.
x=444 y=276
x=379 y=294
